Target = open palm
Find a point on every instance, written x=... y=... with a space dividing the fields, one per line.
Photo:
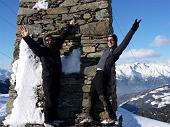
x=23 y=31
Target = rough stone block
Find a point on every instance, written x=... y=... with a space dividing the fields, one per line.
x=89 y=6
x=100 y=15
x=95 y=28
x=69 y=3
x=26 y=11
x=90 y=71
x=89 y=49
x=59 y=10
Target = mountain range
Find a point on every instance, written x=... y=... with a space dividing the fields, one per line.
x=4 y=81
x=4 y=74
x=131 y=78
x=138 y=77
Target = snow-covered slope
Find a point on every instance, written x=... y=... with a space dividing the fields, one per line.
x=133 y=78
x=132 y=120
x=157 y=98
x=153 y=104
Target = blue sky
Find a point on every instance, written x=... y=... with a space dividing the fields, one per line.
x=8 y=12
x=151 y=42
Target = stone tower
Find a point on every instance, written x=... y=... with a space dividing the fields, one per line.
x=94 y=19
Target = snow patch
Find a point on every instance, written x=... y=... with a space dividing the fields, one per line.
x=41 y=4
x=161 y=100
x=160 y=89
x=27 y=71
x=138 y=97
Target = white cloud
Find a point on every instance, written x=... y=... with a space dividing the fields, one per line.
x=161 y=40
x=139 y=53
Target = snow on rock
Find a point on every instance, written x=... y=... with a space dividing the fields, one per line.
x=41 y=4
x=27 y=72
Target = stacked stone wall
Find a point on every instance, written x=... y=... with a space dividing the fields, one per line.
x=94 y=18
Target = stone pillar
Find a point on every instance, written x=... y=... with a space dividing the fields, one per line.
x=94 y=19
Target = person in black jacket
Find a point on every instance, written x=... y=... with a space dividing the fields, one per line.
x=102 y=77
x=49 y=54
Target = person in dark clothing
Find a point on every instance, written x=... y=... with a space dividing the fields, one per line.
x=101 y=80
x=49 y=54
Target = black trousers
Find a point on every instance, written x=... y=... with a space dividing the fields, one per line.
x=51 y=87
x=100 y=87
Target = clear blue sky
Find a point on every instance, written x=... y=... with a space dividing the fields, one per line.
x=150 y=43
x=8 y=14
x=152 y=40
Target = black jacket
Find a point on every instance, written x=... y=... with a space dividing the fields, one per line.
x=50 y=58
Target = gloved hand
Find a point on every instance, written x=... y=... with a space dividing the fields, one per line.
x=135 y=25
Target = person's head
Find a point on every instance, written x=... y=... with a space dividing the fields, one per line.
x=112 y=40
x=48 y=40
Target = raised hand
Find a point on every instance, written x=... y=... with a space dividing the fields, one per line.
x=23 y=31
x=135 y=25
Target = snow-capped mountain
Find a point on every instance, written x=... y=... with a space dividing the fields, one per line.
x=4 y=81
x=4 y=74
x=133 y=78
x=154 y=104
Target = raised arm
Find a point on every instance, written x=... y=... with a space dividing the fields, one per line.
x=37 y=49
x=114 y=56
x=128 y=37
x=65 y=32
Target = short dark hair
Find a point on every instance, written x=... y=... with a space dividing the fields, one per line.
x=114 y=36
x=47 y=35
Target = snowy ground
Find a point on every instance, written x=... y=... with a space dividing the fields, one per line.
x=129 y=119
x=132 y=120
x=3 y=100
